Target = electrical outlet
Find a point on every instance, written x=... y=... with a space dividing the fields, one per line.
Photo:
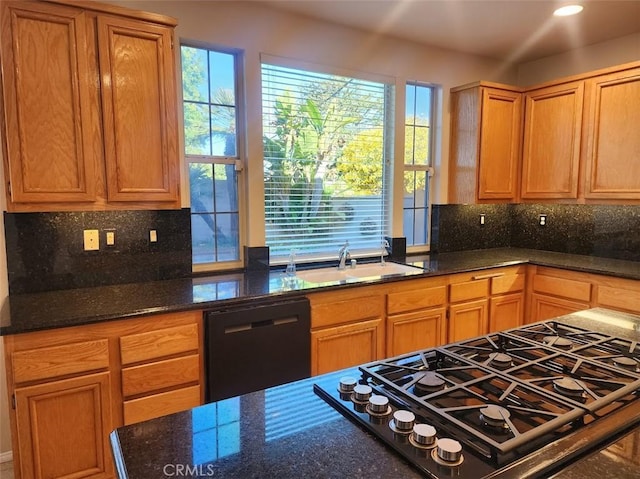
x=542 y=220
x=91 y=240
x=482 y=219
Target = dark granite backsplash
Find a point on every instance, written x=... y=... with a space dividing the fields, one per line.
x=45 y=250
x=609 y=231
x=458 y=228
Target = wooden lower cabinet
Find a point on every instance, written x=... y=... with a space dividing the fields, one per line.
x=418 y=330
x=547 y=307
x=344 y=346
x=506 y=312
x=63 y=428
x=467 y=320
x=70 y=387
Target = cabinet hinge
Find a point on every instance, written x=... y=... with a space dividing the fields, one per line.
x=9 y=187
x=13 y=401
x=172 y=43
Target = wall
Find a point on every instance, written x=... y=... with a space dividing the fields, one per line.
x=593 y=57
x=257 y=29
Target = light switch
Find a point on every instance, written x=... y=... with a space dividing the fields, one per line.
x=91 y=240
x=110 y=237
x=153 y=236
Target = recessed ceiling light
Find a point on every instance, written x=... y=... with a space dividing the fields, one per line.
x=567 y=10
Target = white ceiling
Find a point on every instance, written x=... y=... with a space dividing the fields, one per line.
x=509 y=30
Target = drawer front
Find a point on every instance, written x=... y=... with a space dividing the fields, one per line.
x=618 y=298
x=56 y=361
x=157 y=344
x=150 y=407
x=469 y=290
x=509 y=283
x=156 y=376
x=563 y=287
x=405 y=301
x=349 y=310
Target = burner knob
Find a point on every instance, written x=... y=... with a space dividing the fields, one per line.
x=378 y=404
x=449 y=450
x=347 y=384
x=424 y=434
x=404 y=420
x=362 y=392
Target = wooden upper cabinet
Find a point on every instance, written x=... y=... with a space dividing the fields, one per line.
x=485 y=144
x=90 y=107
x=48 y=129
x=552 y=133
x=139 y=110
x=612 y=153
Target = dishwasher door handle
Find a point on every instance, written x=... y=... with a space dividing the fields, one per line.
x=258 y=324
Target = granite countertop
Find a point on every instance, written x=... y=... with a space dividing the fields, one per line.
x=289 y=432
x=55 y=309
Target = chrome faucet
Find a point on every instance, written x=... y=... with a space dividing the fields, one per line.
x=344 y=255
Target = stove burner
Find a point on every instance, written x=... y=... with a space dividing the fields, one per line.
x=423 y=436
x=428 y=383
x=378 y=405
x=558 y=342
x=568 y=387
x=625 y=362
x=402 y=422
x=448 y=452
x=500 y=360
x=495 y=416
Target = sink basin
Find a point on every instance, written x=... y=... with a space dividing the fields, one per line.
x=360 y=272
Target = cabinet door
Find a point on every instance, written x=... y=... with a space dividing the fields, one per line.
x=547 y=307
x=413 y=331
x=49 y=129
x=552 y=132
x=344 y=346
x=613 y=142
x=499 y=144
x=506 y=312
x=139 y=98
x=63 y=428
x=467 y=320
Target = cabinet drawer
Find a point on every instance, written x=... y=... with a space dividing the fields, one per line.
x=563 y=287
x=509 y=283
x=618 y=298
x=161 y=404
x=44 y=363
x=347 y=311
x=157 y=344
x=160 y=375
x=404 y=301
x=468 y=290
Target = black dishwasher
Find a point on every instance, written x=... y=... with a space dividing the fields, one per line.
x=255 y=346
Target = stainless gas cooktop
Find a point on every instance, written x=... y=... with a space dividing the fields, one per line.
x=479 y=407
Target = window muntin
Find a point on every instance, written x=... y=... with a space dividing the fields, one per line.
x=326 y=150
x=210 y=107
x=418 y=162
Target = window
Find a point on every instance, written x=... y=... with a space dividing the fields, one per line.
x=418 y=164
x=212 y=149
x=326 y=150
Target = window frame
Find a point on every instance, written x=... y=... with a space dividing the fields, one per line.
x=239 y=161
x=389 y=128
x=429 y=167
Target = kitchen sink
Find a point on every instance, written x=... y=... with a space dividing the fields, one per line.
x=360 y=272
